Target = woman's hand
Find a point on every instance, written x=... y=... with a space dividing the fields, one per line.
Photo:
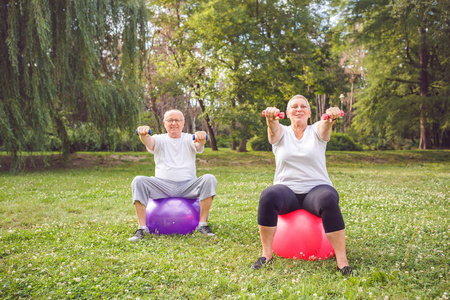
x=273 y=125
x=272 y=113
x=325 y=126
x=333 y=113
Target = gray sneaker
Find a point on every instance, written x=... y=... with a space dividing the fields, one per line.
x=205 y=230
x=138 y=235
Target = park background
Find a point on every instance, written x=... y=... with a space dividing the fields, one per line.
x=78 y=77
x=82 y=75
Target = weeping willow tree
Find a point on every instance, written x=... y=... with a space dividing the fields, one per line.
x=65 y=64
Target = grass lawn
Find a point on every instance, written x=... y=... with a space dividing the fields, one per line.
x=64 y=230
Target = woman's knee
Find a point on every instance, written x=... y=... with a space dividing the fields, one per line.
x=329 y=204
x=271 y=194
x=327 y=195
x=274 y=198
x=267 y=208
x=266 y=198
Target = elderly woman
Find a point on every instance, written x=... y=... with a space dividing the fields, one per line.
x=301 y=179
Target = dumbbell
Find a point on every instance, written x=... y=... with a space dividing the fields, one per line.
x=326 y=117
x=280 y=115
x=150 y=133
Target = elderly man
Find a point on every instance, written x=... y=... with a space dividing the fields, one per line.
x=175 y=171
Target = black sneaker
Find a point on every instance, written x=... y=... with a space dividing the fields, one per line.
x=260 y=262
x=205 y=230
x=345 y=271
x=139 y=234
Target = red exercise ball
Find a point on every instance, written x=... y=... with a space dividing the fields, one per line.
x=300 y=234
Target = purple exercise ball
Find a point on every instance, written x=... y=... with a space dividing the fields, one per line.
x=172 y=215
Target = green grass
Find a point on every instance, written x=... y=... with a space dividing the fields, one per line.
x=63 y=232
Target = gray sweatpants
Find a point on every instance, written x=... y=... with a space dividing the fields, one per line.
x=144 y=187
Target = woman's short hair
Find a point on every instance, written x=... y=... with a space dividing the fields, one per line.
x=297 y=97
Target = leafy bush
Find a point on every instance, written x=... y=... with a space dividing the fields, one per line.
x=342 y=142
x=260 y=143
x=85 y=138
x=223 y=141
x=338 y=142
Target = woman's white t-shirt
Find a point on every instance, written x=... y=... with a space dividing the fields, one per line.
x=175 y=158
x=300 y=164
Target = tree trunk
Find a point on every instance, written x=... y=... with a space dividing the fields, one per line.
x=233 y=144
x=350 y=108
x=155 y=112
x=243 y=146
x=212 y=137
x=446 y=138
x=233 y=130
x=62 y=134
x=425 y=139
x=320 y=106
x=436 y=135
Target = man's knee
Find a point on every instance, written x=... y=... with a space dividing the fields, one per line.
x=138 y=181
x=138 y=191
x=210 y=180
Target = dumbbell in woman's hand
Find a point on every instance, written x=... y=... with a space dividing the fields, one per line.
x=326 y=117
x=280 y=115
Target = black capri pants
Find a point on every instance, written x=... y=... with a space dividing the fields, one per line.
x=322 y=201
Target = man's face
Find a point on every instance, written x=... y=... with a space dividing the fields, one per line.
x=174 y=123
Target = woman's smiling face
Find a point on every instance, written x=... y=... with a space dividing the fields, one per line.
x=299 y=110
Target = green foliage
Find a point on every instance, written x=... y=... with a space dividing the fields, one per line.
x=64 y=232
x=342 y=142
x=407 y=69
x=260 y=143
x=224 y=140
x=68 y=63
x=263 y=52
x=338 y=142
x=87 y=137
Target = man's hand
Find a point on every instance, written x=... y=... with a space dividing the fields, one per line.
x=200 y=137
x=145 y=137
x=143 y=130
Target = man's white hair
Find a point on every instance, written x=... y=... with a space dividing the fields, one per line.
x=173 y=110
x=297 y=97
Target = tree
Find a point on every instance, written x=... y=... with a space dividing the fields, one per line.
x=352 y=62
x=67 y=63
x=407 y=44
x=177 y=67
x=262 y=49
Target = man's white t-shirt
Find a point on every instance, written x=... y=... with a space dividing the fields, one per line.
x=300 y=164
x=175 y=158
